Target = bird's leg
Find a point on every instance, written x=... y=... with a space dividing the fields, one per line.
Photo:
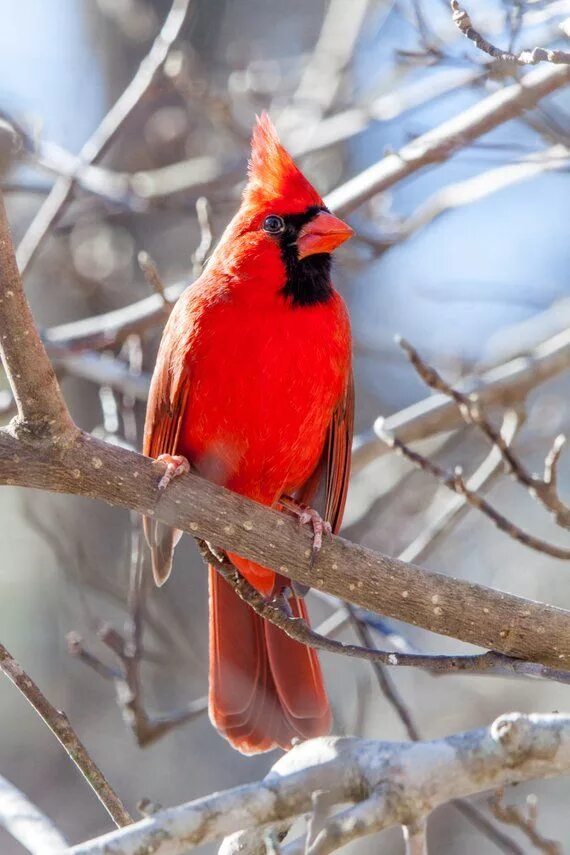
x=307 y=516
x=175 y=465
x=280 y=599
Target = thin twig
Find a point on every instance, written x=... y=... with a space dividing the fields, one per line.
x=152 y=276
x=393 y=696
x=525 y=57
x=200 y=254
x=544 y=489
x=512 y=815
x=59 y=725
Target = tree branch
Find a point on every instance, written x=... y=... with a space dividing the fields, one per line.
x=105 y=133
x=27 y=824
x=438 y=145
x=406 y=781
x=59 y=725
x=37 y=393
x=525 y=57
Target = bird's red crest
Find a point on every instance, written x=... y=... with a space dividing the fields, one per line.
x=274 y=179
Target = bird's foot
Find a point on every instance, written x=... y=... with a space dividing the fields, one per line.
x=281 y=601
x=308 y=516
x=174 y=465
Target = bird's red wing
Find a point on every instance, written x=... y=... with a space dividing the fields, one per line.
x=164 y=417
x=338 y=452
x=329 y=480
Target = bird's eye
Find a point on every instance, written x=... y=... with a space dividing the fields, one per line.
x=273 y=224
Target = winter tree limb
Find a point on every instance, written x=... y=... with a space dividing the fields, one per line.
x=402 y=782
x=105 y=133
x=27 y=824
x=449 y=137
x=524 y=57
x=60 y=726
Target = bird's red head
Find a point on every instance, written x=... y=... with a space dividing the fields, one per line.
x=282 y=236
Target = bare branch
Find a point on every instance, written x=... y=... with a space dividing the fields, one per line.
x=451 y=136
x=406 y=781
x=106 y=132
x=504 y=385
x=525 y=57
x=451 y=512
x=277 y=613
x=27 y=824
x=59 y=725
x=527 y=824
x=37 y=394
x=544 y=489
x=200 y=254
x=152 y=276
x=146 y=728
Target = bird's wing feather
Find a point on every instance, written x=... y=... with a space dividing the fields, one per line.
x=164 y=418
x=329 y=479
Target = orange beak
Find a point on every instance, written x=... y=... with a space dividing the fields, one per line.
x=322 y=234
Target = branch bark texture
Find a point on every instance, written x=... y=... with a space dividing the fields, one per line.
x=389 y=783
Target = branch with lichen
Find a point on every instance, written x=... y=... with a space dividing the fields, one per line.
x=385 y=784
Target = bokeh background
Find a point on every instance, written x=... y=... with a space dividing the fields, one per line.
x=472 y=287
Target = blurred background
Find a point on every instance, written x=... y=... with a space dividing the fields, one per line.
x=471 y=285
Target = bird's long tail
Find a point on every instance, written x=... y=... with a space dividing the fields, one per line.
x=265 y=688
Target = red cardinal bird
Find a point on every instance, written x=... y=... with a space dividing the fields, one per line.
x=253 y=387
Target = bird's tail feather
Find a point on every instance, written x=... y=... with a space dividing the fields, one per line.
x=265 y=688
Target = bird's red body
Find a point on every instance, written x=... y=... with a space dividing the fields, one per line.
x=253 y=386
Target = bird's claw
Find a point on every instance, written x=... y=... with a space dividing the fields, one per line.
x=309 y=516
x=175 y=465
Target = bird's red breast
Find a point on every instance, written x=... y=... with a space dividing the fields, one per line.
x=253 y=385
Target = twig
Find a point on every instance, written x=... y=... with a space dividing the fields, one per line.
x=544 y=489
x=206 y=235
x=27 y=824
x=504 y=385
x=59 y=725
x=152 y=276
x=527 y=824
x=105 y=133
x=525 y=57
x=451 y=512
x=393 y=696
x=130 y=698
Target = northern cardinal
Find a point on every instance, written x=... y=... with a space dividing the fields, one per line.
x=253 y=388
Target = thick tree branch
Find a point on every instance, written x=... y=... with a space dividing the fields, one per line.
x=453 y=607
x=277 y=613
x=406 y=781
